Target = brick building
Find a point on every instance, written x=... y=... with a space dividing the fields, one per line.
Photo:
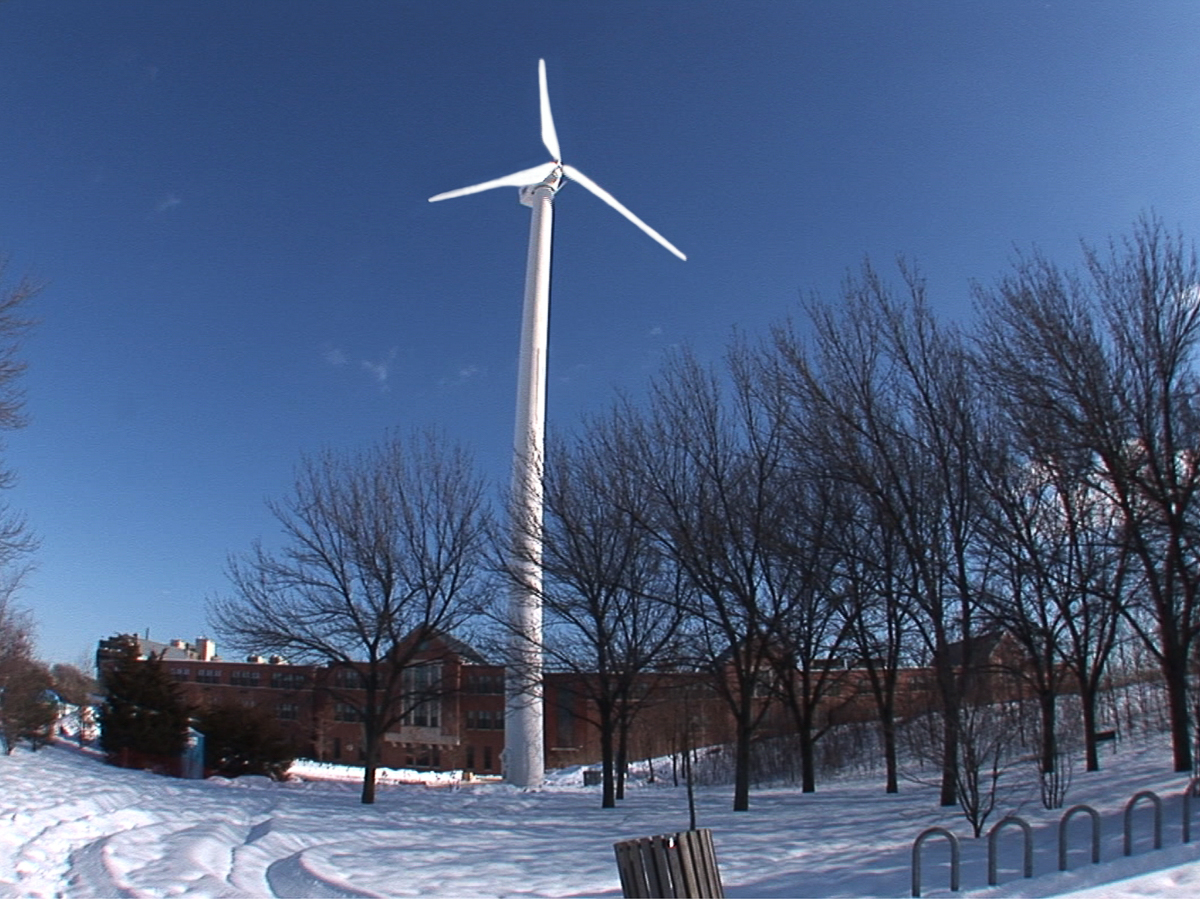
x=461 y=725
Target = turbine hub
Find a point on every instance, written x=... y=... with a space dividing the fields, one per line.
x=553 y=182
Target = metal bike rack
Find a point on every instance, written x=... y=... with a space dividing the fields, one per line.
x=1133 y=801
x=1062 y=834
x=1028 y=840
x=916 y=857
x=1192 y=790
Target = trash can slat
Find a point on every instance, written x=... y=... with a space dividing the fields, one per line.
x=682 y=864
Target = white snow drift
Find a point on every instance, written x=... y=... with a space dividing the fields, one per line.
x=71 y=826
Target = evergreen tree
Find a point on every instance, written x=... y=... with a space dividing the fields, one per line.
x=143 y=711
x=244 y=740
x=28 y=707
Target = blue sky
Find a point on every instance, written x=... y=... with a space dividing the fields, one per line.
x=227 y=202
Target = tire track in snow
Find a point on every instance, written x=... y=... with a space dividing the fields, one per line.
x=45 y=857
x=289 y=877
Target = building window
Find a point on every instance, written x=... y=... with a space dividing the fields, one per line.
x=347 y=678
x=287 y=711
x=485 y=684
x=344 y=712
x=485 y=719
x=423 y=756
x=181 y=674
x=566 y=717
x=470 y=757
x=487 y=757
x=421 y=685
x=243 y=678
x=288 y=680
x=208 y=676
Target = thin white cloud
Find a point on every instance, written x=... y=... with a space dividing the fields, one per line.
x=655 y=331
x=380 y=369
x=170 y=201
x=462 y=376
x=576 y=371
x=334 y=356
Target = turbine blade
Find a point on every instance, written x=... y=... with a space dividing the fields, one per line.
x=575 y=175
x=516 y=179
x=549 y=135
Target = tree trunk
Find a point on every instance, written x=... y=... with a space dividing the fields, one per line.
x=808 y=776
x=949 y=790
x=606 y=755
x=741 y=765
x=369 y=765
x=1087 y=700
x=887 y=724
x=1047 y=702
x=691 y=790
x=1175 y=675
x=622 y=758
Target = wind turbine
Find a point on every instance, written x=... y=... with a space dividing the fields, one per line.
x=524 y=763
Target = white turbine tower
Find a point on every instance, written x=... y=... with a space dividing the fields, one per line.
x=524 y=763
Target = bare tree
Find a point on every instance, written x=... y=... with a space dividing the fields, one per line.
x=987 y=748
x=17 y=541
x=73 y=685
x=801 y=517
x=607 y=593
x=1059 y=566
x=1106 y=362
x=76 y=688
x=16 y=635
x=810 y=632
x=878 y=617
x=885 y=399
x=383 y=550
x=708 y=468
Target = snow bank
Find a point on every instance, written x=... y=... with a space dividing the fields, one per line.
x=74 y=827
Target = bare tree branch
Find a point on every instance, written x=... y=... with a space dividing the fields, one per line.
x=382 y=550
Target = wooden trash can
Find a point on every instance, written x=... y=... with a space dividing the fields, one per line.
x=683 y=864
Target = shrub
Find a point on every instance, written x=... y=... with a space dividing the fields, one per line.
x=242 y=740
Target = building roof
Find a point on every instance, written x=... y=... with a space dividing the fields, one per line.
x=978 y=648
x=460 y=648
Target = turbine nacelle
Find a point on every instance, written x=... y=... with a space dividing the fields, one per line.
x=552 y=173
x=552 y=181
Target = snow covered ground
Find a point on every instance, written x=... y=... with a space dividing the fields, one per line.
x=71 y=826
